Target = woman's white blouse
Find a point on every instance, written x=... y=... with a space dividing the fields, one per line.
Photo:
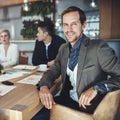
x=12 y=56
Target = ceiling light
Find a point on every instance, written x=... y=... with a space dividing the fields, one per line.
x=92 y=4
x=26 y=6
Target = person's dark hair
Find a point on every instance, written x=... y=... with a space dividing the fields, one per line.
x=47 y=26
x=75 y=9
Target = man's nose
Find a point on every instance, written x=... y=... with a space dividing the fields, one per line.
x=69 y=28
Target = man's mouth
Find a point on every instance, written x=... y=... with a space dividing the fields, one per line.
x=70 y=35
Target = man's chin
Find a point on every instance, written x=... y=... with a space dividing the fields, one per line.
x=70 y=39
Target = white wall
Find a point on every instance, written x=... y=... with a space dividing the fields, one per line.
x=10 y=18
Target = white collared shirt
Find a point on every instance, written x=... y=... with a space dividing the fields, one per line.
x=46 y=47
x=73 y=78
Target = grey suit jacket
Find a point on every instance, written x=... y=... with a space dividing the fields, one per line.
x=96 y=61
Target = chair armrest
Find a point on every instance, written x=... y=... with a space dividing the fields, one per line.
x=59 y=112
x=106 y=110
x=108 y=107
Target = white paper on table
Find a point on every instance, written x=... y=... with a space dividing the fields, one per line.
x=5 y=77
x=11 y=71
x=25 y=67
x=4 y=89
x=32 y=79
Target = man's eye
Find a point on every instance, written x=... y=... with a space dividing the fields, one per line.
x=74 y=24
x=64 y=25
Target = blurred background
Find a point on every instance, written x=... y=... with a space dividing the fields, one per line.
x=20 y=18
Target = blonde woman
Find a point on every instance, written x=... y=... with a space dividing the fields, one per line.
x=9 y=52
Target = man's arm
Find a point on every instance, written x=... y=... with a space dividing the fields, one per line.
x=46 y=97
x=50 y=63
x=110 y=64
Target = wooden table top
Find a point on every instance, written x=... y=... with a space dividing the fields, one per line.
x=22 y=103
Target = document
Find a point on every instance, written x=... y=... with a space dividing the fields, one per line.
x=11 y=71
x=32 y=79
x=10 y=75
x=25 y=67
x=4 y=89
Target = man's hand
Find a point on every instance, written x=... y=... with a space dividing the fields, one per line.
x=50 y=63
x=46 y=97
x=86 y=97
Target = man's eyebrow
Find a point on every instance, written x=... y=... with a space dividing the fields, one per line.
x=72 y=22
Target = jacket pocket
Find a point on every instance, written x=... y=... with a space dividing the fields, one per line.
x=89 y=68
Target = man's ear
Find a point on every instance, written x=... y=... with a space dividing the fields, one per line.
x=45 y=34
x=84 y=25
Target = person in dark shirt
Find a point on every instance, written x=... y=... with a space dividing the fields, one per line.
x=47 y=44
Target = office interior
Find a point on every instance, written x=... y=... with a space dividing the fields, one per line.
x=98 y=26
x=103 y=21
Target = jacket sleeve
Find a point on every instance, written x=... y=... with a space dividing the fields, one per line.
x=53 y=72
x=38 y=54
x=35 y=57
x=109 y=64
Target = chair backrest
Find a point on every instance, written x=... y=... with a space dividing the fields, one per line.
x=23 y=59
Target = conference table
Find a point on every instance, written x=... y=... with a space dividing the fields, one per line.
x=22 y=103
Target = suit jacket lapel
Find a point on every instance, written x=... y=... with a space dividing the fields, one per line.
x=66 y=60
x=81 y=60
